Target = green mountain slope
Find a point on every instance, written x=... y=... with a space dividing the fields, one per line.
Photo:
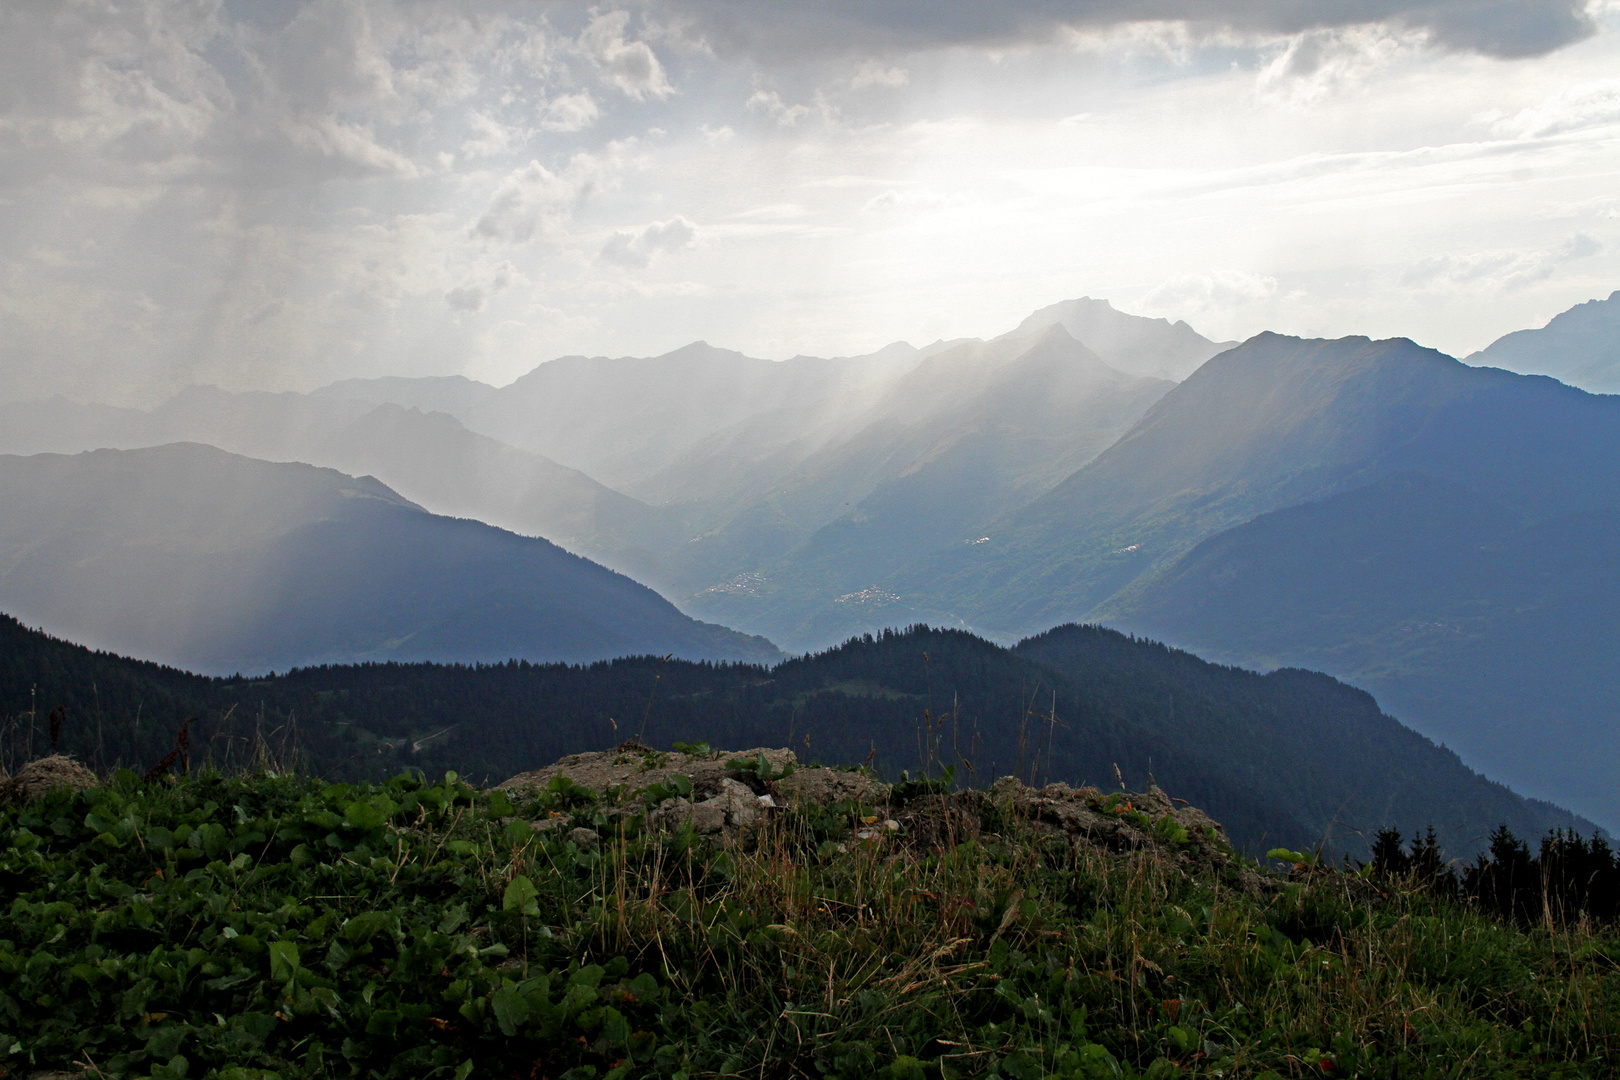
x=195 y=557
x=1290 y=758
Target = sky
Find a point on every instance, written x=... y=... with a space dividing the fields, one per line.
x=276 y=196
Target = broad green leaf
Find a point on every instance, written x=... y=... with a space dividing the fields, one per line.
x=510 y=1009
x=362 y=815
x=521 y=896
x=283 y=960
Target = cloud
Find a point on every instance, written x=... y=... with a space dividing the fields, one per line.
x=471 y=297
x=1573 y=109
x=1190 y=293
x=873 y=73
x=840 y=27
x=635 y=250
x=532 y=200
x=124 y=80
x=570 y=112
x=354 y=145
x=631 y=66
x=489 y=136
x=770 y=103
x=912 y=199
x=1317 y=64
x=1501 y=270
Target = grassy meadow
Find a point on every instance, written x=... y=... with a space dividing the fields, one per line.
x=266 y=925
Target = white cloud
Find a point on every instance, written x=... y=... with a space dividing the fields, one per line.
x=570 y=112
x=489 y=136
x=1573 y=109
x=770 y=103
x=471 y=296
x=531 y=201
x=635 y=250
x=1496 y=271
x=912 y=199
x=1312 y=66
x=872 y=73
x=1221 y=289
x=352 y=145
x=630 y=66
x=189 y=191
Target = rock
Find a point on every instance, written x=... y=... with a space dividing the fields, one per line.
x=728 y=800
x=708 y=817
x=35 y=779
x=636 y=768
x=740 y=802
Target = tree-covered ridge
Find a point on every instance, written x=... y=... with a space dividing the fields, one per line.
x=1290 y=758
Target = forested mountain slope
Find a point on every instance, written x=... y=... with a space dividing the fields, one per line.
x=196 y=557
x=1289 y=758
x=1497 y=629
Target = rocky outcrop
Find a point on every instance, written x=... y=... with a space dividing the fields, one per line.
x=729 y=795
x=722 y=794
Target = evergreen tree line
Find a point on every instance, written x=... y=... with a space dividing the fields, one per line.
x=1285 y=758
x=1569 y=878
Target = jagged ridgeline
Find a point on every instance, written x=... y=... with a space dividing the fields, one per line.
x=1290 y=759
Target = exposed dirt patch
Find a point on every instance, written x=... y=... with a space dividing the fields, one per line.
x=729 y=792
x=732 y=792
x=42 y=775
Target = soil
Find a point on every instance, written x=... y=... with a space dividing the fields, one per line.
x=728 y=801
x=43 y=775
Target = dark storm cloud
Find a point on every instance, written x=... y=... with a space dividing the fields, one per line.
x=1504 y=28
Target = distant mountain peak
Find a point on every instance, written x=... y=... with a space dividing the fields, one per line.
x=1134 y=344
x=1580 y=346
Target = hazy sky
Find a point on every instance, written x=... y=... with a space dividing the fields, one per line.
x=277 y=195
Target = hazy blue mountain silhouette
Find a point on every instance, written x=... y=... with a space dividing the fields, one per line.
x=1494 y=626
x=1269 y=424
x=970 y=434
x=428 y=457
x=1581 y=347
x=1155 y=348
x=199 y=558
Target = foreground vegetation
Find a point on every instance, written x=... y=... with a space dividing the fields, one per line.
x=264 y=925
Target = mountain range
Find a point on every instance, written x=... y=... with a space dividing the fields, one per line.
x=1438 y=532
x=190 y=556
x=1581 y=347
